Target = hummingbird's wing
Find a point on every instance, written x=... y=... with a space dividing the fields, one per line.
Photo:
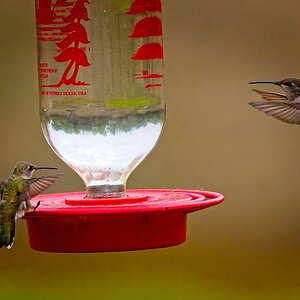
x=39 y=184
x=285 y=111
x=269 y=96
x=35 y=186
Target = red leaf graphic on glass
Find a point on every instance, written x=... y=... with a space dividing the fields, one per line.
x=78 y=34
x=78 y=11
x=150 y=26
x=44 y=13
x=45 y=17
x=149 y=51
x=75 y=54
x=70 y=27
x=139 y=7
x=67 y=41
x=75 y=34
x=63 y=3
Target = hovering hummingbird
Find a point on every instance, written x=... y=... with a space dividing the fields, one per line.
x=15 y=194
x=284 y=107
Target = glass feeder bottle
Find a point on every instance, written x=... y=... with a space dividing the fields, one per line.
x=101 y=86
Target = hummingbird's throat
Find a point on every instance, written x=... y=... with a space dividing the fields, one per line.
x=27 y=176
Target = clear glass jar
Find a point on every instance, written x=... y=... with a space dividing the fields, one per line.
x=101 y=86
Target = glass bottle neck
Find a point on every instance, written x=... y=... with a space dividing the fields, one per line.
x=105 y=191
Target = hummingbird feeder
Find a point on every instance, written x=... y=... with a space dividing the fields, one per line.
x=102 y=111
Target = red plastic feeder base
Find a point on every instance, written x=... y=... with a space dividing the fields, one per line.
x=145 y=219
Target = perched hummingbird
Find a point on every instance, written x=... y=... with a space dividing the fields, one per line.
x=15 y=194
x=284 y=107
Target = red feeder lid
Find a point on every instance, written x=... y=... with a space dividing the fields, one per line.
x=143 y=219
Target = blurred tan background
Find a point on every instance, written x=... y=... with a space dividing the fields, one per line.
x=246 y=248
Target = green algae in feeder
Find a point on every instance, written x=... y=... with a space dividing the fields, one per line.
x=101 y=86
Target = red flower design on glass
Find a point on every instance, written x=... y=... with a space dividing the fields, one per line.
x=78 y=11
x=149 y=26
x=72 y=53
x=149 y=51
x=139 y=7
x=77 y=34
x=45 y=12
x=70 y=45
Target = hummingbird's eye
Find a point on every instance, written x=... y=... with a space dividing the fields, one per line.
x=288 y=83
x=31 y=168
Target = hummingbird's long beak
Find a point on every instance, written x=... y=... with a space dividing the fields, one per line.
x=45 y=168
x=267 y=82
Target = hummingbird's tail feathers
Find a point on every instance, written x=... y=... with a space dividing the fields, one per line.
x=284 y=111
x=11 y=235
x=269 y=96
x=39 y=184
x=7 y=235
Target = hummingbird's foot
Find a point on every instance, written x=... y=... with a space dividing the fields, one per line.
x=36 y=206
